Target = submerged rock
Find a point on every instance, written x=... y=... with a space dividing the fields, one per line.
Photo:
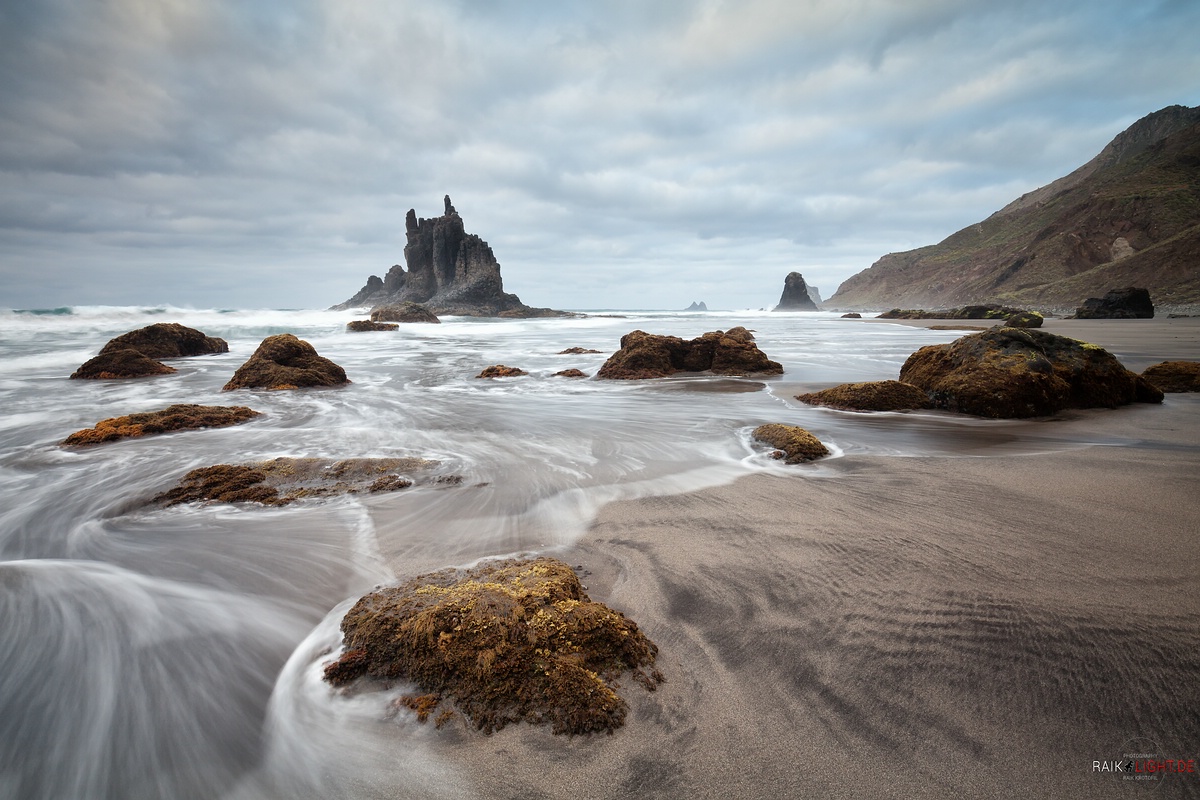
x=1175 y=376
x=1128 y=303
x=403 y=312
x=282 y=480
x=507 y=641
x=794 y=444
x=645 y=355
x=1013 y=373
x=123 y=363
x=366 y=325
x=285 y=362
x=576 y=351
x=173 y=418
x=870 y=396
x=501 y=371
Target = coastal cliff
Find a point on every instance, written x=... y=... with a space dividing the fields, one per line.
x=450 y=272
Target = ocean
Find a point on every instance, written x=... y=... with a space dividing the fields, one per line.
x=177 y=652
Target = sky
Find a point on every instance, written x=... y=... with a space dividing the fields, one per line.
x=621 y=154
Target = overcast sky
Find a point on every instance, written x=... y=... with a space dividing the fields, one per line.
x=624 y=154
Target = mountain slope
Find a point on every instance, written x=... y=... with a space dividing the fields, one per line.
x=1130 y=216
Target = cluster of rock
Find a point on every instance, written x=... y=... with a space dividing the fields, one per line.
x=136 y=354
x=449 y=271
x=507 y=641
x=1128 y=303
x=644 y=355
x=1012 y=317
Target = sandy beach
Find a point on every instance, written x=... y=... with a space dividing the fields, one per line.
x=875 y=626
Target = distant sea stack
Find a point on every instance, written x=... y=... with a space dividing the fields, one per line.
x=450 y=272
x=697 y=306
x=1129 y=217
x=795 y=295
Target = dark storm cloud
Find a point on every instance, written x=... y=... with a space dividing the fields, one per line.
x=265 y=153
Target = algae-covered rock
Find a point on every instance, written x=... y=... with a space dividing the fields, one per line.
x=120 y=363
x=285 y=362
x=366 y=326
x=501 y=371
x=794 y=444
x=870 y=396
x=173 y=418
x=1174 y=376
x=406 y=311
x=1025 y=319
x=507 y=641
x=282 y=480
x=1014 y=372
x=645 y=355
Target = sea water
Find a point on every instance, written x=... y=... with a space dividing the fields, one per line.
x=177 y=652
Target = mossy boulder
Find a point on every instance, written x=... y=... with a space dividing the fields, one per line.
x=121 y=363
x=366 y=326
x=501 y=371
x=1174 y=376
x=172 y=418
x=1025 y=319
x=870 y=396
x=793 y=444
x=507 y=641
x=285 y=362
x=1014 y=373
x=645 y=355
x=403 y=312
x=283 y=480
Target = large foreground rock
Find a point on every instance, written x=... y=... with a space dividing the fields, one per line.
x=1175 y=376
x=1014 y=372
x=172 y=418
x=646 y=355
x=135 y=354
x=870 y=396
x=286 y=362
x=1128 y=303
x=508 y=641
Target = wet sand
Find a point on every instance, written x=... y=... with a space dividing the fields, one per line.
x=905 y=627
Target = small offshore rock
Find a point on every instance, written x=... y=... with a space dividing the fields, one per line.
x=286 y=362
x=870 y=396
x=852 y=315
x=576 y=351
x=135 y=354
x=570 y=373
x=172 y=418
x=122 y=363
x=644 y=355
x=1025 y=319
x=1174 y=376
x=795 y=443
x=406 y=311
x=1128 y=303
x=501 y=371
x=366 y=325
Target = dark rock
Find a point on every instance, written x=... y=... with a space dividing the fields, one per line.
x=871 y=396
x=1025 y=319
x=501 y=371
x=284 y=480
x=697 y=306
x=795 y=295
x=285 y=362
x=795 y=445
x=645 y=355
x=126 y=363
x=1174 y=376
x=449 y=271
x=507 y=641
x=986 y=311
x=167 y=340
x=852 y=315
x=366 y=325
x=570 y=373
x=403 y=312
x=172 y=418
x=1127 y=303
x=576 y=351
x=1014 y=372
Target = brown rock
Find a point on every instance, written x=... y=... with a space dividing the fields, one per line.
x=1174 y=376
x=852 y=315
x=645 y=355
x=576 y=351
x=871 y=396
x=1014 y=372
x=366 y=325
x=1025 y=319
x=505 y=641
x=795 y=445
x=167 y=340
x=285 y=362
x=123 y=363
x=406 y=311
x=570 y=373
x=172 y=418
x=501 y=371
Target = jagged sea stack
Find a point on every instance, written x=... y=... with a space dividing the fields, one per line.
x=450 y=272
x=795 y=295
